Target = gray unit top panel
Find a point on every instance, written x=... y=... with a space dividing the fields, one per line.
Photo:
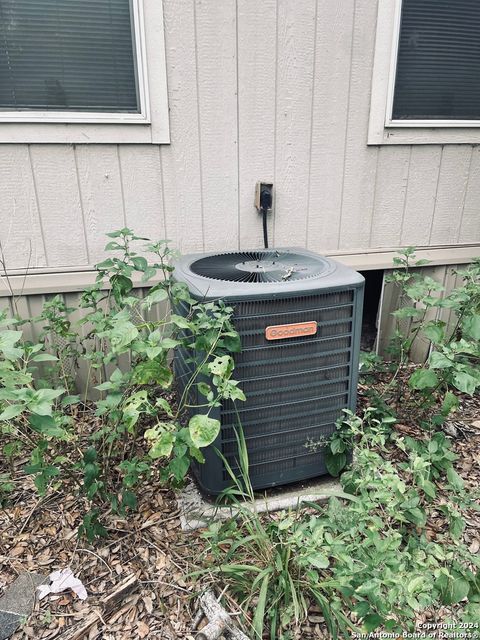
x=332 y=276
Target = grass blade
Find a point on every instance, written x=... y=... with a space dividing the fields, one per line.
x=259 y=617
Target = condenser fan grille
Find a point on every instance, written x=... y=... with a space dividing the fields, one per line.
x=260 y=266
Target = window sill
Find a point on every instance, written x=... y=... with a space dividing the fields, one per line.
x=381 y=135
x=58 y=133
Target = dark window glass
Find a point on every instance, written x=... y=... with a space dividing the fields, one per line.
x=438 y=66
x=67 y=55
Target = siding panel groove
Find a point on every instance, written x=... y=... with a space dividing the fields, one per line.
x=421 y=195
x=217 y=104
x=391 y=187
x=256 y=112
x=296 y=29
x=333 y=55
x=56 y=187
x=99 y=174
x=452 y=185
x=21 y=235
x=360 y=160
x=181 y=166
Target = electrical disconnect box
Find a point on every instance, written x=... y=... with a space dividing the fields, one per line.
x=264 y=194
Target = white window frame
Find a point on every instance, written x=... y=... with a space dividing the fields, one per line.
x=383 y=129
x=150 y=125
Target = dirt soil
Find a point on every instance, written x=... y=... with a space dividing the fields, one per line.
x=39 y=535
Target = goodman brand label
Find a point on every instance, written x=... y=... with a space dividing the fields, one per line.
x=282 y=331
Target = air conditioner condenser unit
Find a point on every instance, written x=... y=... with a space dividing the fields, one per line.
x=299 y=318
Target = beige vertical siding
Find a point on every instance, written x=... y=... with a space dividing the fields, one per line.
x=444 y=275
x=269 y=89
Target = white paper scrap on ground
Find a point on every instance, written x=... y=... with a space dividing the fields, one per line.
x=61 y=581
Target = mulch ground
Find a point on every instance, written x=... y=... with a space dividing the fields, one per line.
x=39 y=535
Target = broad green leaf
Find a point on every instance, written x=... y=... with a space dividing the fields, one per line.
x=435 y=331
x=439 y=361
x=471 y=326
x=335 y=462
x=165 y=405
x=169 y=343
x=44 y=357
x=8 y=340
x=105 y=264
x=122 y=334
x=179 y=467
x=90 y=455
x=429 y=488
x=371 y=622
x=203 y=430
x=416 y=516
x=232 y=342
x=12 y=411
x=450 y=402
x=407 y=312
x=67 y=401
x=415 y=584
x=221 y=366
x=105 y=386
x=43 y=478
x=47 y=426
x=117 y=376
x=48 y=394
x=361 y=608
x=40 y=408
x=422 y=262
x=129 y=499
x=153 y=352
x=285 y=523
x=318 y=560
x=113 y=246
x=337 y=446
x=457 y=589
x=465 y=383
x=203 y=388
x=163 y=447
x=423 y=379
x=139 y=263
x=90 y=473
x=121 y=285
x=457 y=527
x=148 y=274
x=454 y=479
x=153 y=371
x=118 y=233
x=158 y=295
x=179 y=321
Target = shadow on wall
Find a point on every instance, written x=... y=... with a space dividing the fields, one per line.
x=373 y=292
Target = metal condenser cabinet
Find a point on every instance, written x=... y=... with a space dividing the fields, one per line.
x=299 y=319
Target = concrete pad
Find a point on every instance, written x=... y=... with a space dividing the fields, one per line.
x=17 y=602
x=8 y=624
x=198 y=511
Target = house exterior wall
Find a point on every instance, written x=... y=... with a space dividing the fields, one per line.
x=273 y=90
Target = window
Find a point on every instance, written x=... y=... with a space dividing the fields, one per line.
x=80 y=64
x=426 y=80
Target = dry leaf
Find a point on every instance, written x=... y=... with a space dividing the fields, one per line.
x=143 y=629
x=475 y=546
x=147 y=601
x=17 y=550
